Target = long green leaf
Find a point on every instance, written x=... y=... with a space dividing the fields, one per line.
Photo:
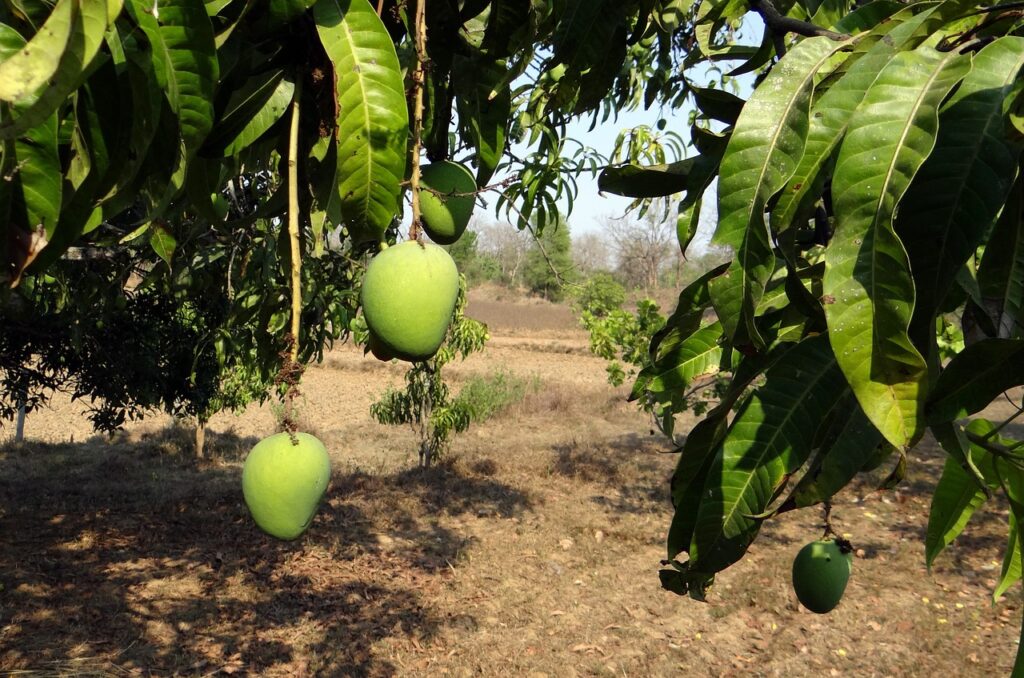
x=975 y=377
x=484 y=112
x=853 y=445
x=868 y=289
x=957 y=194
x=697 y=356
x=1001 y=271
x=25 y=71
x=699 y=450
x=373 y=122
x=832 y=112
x=770 y=438
x=91 y=22
x=36 y=162
x=1010 y=573
x=143 y=98
x=762 y=154
x=646 y=181
x=183 y=45
x=954 y=501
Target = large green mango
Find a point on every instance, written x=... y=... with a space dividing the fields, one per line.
x=283 y=483
x=408 y=296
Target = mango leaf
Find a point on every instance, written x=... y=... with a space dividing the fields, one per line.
x=586 y=33
x=718 y=104
x=687 y=223
x=954 y=501
x=762 y=154
x=831 y=114
x=506 y=20
x=283 y=11
x=685 y=319
x=28 y=69
x=975 y=377
x=646 y=181
x=35 y=160
x=853 y=443
x=1001 y=270
x=186 y=59
x=373 y=122
x=956 y=196
x=770 y=437
x=1011 y=570
x=91 y=22
x=248 y=117
x=867 y=281
x=162 y=241
x=697 y=356
x=143 y=98
x=700 y=447
x=485 y=115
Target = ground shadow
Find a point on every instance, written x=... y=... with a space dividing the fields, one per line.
x=131 y=554
x=634 y=467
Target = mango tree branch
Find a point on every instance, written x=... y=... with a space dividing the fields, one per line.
x=418 y=82
x=780 y=25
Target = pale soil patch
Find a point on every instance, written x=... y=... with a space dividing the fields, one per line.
x=532 y=551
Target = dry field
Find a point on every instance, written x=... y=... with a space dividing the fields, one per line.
x=531 y=551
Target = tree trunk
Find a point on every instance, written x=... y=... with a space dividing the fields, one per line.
x=200 y=438
x=19 y=429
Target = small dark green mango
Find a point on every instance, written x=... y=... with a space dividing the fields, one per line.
x=820 y=573
x=445 y=217
x=283 y=483
x=408 y=296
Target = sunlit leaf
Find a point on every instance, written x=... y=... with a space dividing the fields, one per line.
x=868 y=289
x=762 y=154
x=373 y=122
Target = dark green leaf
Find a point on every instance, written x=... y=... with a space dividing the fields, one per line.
x=956 y=196
x=646 y=181
x=770 y=438
x=975 y=377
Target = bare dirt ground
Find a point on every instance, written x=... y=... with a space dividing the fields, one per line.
x=531 y=551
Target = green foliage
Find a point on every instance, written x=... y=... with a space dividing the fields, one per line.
x=485 y=396
x=426 y=403
x=549 y=266
x=599 y=295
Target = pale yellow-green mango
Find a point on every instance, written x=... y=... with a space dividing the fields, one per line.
x=284 y=483
x=408 y=296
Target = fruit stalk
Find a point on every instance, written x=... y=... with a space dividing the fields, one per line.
x=418 y=82
x=293 y=220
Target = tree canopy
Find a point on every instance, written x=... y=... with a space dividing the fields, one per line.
x=869 y=189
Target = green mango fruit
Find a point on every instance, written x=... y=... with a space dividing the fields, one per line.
x=820 y=573
x=445 y=217
x=283 y=483
x=408 y=296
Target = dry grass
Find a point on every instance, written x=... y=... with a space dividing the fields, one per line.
x=532 y=550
